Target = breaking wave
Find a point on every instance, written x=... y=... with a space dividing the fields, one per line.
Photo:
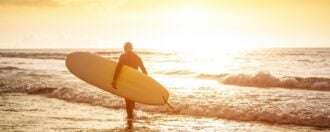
x=265 y=79
x=271 y=115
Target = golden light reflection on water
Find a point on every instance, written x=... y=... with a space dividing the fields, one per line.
x=36 y=113
x=215 y=61
x=192 y=96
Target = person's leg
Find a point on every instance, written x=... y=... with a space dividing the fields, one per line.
x=129 y=108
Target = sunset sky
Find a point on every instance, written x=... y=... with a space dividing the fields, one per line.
x=164 y=24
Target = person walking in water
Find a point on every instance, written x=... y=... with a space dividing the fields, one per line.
x=131 y=59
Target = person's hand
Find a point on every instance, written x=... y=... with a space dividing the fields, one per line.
x=114 y=84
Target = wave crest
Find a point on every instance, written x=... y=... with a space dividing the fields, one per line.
x=265 y=79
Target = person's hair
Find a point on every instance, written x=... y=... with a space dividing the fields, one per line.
x=128 y=46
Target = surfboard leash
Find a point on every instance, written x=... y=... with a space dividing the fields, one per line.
x=168 y=103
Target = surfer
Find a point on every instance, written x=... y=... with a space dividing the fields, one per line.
x=131 y=59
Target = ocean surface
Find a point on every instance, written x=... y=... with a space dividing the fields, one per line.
x=282 y=89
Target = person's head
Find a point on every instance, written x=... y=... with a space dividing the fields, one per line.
x=128 y=46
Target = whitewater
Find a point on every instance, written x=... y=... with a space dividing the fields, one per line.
x=278 y=89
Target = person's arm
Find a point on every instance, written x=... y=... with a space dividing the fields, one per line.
x=117 y=71
x=141 y=65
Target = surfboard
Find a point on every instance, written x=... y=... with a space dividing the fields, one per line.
x=131 y=84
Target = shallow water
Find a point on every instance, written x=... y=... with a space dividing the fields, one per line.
x=24 y=112
x=36 y=88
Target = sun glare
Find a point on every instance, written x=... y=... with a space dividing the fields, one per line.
x=195 y=28
x=189 y=25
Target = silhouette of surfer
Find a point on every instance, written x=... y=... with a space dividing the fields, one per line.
x=131 y=59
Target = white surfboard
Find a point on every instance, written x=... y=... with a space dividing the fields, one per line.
x=131 y=84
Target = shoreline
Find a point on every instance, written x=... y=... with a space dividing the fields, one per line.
x=25 y=112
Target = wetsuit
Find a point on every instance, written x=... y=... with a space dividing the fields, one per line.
x=134 y=61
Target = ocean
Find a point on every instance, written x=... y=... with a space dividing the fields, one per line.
x=275 y=89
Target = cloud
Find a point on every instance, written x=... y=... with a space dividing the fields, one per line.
x=30 y=3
